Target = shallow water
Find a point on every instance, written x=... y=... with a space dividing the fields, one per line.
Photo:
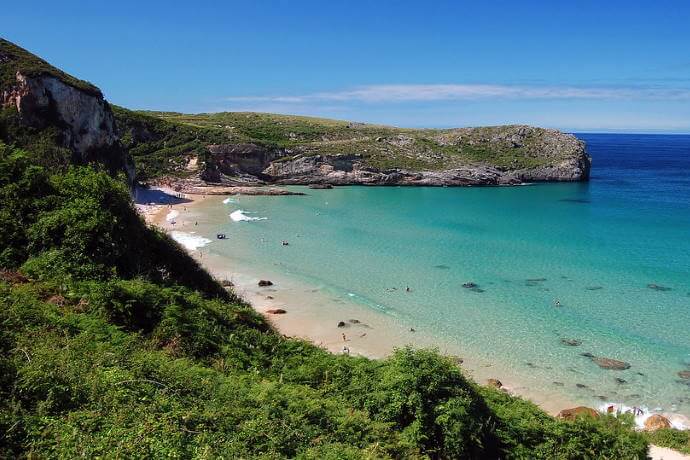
x=550 y=262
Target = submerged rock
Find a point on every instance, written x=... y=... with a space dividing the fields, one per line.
x=470 y=285
x=620 y=381
x=571 y=342
x=609 y=363
x=658 y=287
x=684 y=375
x=265 y=283
x=594 y=288
x=575 y=412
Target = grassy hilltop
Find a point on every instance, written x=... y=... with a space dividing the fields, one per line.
x=382 y=147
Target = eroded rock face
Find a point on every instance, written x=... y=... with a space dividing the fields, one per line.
x=84 y=120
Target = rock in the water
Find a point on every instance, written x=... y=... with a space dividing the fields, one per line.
x=609 y=363
x=571 y=342
x=276 y=311
x=656 y=422
x=558 y=384
x=581 y=385
x=264 y=283
x=470 y=285
x=320 y=186
x=657 y=287
x=684 y=374
x=580 y=411
x=594 y=288
x=587 y=354
x=494 y=383
x=620 y=381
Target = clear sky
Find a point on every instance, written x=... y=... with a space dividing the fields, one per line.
x=577 y=65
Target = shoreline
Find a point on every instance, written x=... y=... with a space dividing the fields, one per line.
x=313 y=316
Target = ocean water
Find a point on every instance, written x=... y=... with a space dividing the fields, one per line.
x=550 y=261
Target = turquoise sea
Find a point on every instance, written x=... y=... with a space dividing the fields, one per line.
x=606 y=263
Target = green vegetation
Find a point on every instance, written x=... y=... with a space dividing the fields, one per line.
x=115 y=343
x=14 y=58
x=668 y=437
x=163 y=142
x=160 y=147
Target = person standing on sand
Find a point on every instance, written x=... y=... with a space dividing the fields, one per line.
x=344 y=337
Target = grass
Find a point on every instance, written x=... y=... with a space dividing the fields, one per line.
x=382 y=147
x=14 y=58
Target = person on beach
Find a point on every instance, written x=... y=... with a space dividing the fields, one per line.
x=344 y=337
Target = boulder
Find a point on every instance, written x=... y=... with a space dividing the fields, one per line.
x=656 y=422
x=342 y=324
x=265 y=283
x=684 y=374
x=609 y=363
x=571 y=342
x=276 y=311
x=227 y=283
x=494 y=383
x=575 y=412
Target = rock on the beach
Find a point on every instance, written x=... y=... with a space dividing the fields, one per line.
x=276 y=311
x=342 y=324
x=609 y=363
x=571 y=342
x=575 y=412
x=684 y=374
x=264 y=283
x=227 y=283
x=494 y=383
x=656 y=422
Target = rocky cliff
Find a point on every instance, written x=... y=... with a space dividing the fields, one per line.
x=513 y=154
x=36 y=96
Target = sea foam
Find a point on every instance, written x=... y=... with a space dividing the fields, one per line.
x=229 y=200
x=189 y=241
x=678 y=421
x=240 y=216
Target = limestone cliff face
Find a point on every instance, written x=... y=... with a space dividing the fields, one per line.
x=562 y=158
x=84 y=119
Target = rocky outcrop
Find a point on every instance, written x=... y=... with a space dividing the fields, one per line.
x=656 y=422
x=556 y=157
x=574 y=413
x=83 y=119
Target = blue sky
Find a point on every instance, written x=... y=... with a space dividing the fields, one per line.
x=574 y=65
